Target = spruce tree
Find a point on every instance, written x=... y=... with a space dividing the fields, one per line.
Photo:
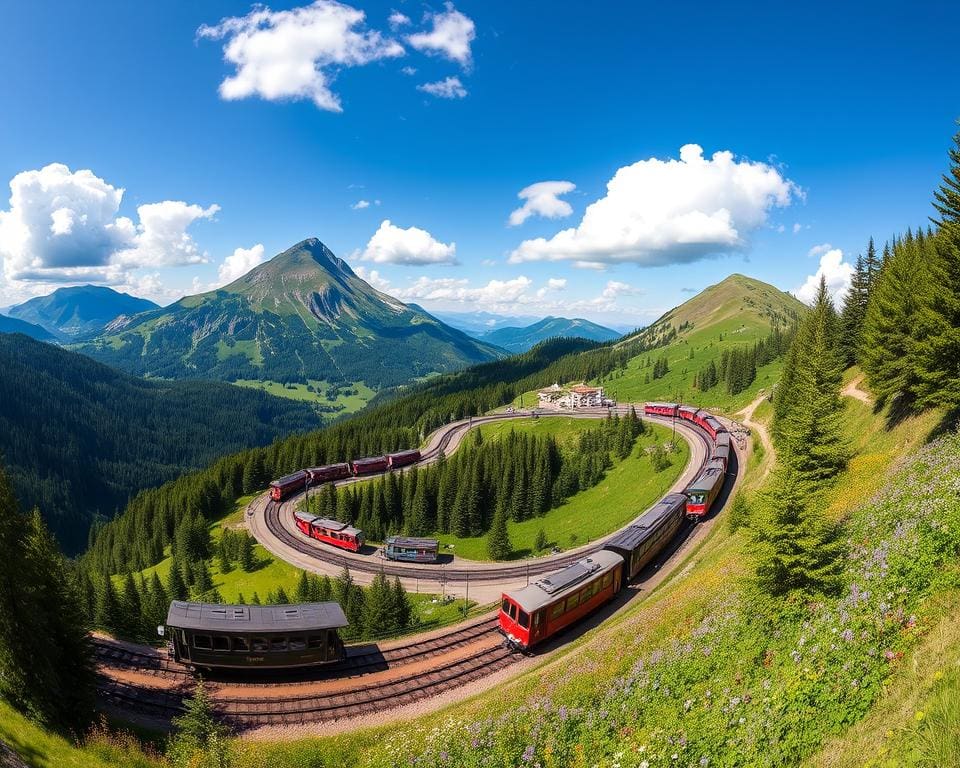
x=176 y=587
x=498 y=540
x=302 y=594
x=402 y=609
x=809 y=433
x=853 y=312
x=938 y=332
x=199 y=739
x=378 y=616
x=797 y=549
x=131 y=609
x=246 y=558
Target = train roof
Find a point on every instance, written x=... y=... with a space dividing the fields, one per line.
x=708 y=478
x=302 y=515
x=557 y=585
x=329 y=466
x=407 y=541
x=408 y=452
x=292 y=478
x=369 y=460
x=713 y=421
x=689 y=408
x=214 y=617
x=723 y=439
x=648 y=522
x=661 y=405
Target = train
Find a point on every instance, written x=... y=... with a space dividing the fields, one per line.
x=308 y=478
x=533 y=614
x=329 y=531
x=411 y=550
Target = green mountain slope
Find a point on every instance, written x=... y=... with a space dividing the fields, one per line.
x=515 y=339
x=79 y=311
x=734 y=314
x=79 y=438
x=12 y=325
x=304 y=316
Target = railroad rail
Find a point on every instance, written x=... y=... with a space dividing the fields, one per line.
x=438 y=573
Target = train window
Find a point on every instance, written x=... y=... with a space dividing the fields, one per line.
x=524 y=619
x=221 y=643
x=298 y=643
x=240 y=645
x=259 y=644
x=506 y=606
x=556 y=610
x=538 y=618
x=315 y=641
x=278 y=643
x=607 y=578
x=202 y=642
x=572 y=602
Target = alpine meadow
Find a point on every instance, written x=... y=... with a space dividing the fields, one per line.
x=479 y=385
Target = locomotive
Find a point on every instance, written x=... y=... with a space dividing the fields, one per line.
x=533 y=614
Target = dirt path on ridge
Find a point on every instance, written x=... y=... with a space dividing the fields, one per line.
x=853 y=390
x=746 y=418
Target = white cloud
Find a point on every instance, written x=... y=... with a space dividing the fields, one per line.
x=450 y=37
x=391 y=244
x=241 y=261
x=834 y=269
x=373 y=277
x=162 y=240
x=660 y=212
x=557 y=283
x=448 y=88
x=295 y=54
x=494 y=292
x=63 y=226
x=398 y=19
x=796 y=228
x=360 y=205
x=409 y=71
x=542 y=199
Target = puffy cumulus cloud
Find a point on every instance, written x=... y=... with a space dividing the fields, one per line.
x=451 y=35
x=241 y=261
x=543 y=199
x=161 y=238
x=63 y=226
x=448 y=88
x=557 y=283
x=660 y=212
x=294 y=54
x=360 y=205
x=495 y=292
x=391 y=244
x=833 y=269
x=397 y=19
x=373 y=277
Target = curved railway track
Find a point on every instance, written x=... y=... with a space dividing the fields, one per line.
x=505 y=573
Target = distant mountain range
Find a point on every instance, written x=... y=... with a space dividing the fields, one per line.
x=518 y=340
x=476 y=324
x=12 y=325
x=79 y=438
x=80 y=311
x=304 y=316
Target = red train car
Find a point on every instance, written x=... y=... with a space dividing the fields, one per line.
x=661 y=409
x=336 y=534
x=403 y=458
x=370 y=465
x=688 y=412
x=289 y=484
x=303 y=520
x=531 y=615
x=712 y=425
x=328 y=473
x=703 y=491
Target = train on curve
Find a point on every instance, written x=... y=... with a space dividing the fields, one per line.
x=533 y=614
x=308 y=478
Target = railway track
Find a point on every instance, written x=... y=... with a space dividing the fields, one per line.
x=360 y=660
x=506 y=573
x=254 y=711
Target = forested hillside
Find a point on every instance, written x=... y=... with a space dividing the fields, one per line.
x=79 y=311
x=80 y=439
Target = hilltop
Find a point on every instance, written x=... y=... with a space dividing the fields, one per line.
x=734 y=314
x=514 y=339
x=302 y=318
x=12 y=325
x=79 y=311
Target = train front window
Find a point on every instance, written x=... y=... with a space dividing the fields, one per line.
x=202 y=642
x=505 y=608
x=524 y=619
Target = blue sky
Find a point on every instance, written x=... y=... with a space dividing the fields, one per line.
x=838 y=119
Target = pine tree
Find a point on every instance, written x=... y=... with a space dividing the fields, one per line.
x=854 y=311
x=797 y=550
x=498 y=540
x=888 y=353
x=378 y=616
x=199 y=740
x=131 y=610
x=176 y=587
x=302 y=594
x=809 y=434
x=45 y=657
x=402 y=610
x=872 y=266
x=938 y=332
x=246 y=558
x=108 y=611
